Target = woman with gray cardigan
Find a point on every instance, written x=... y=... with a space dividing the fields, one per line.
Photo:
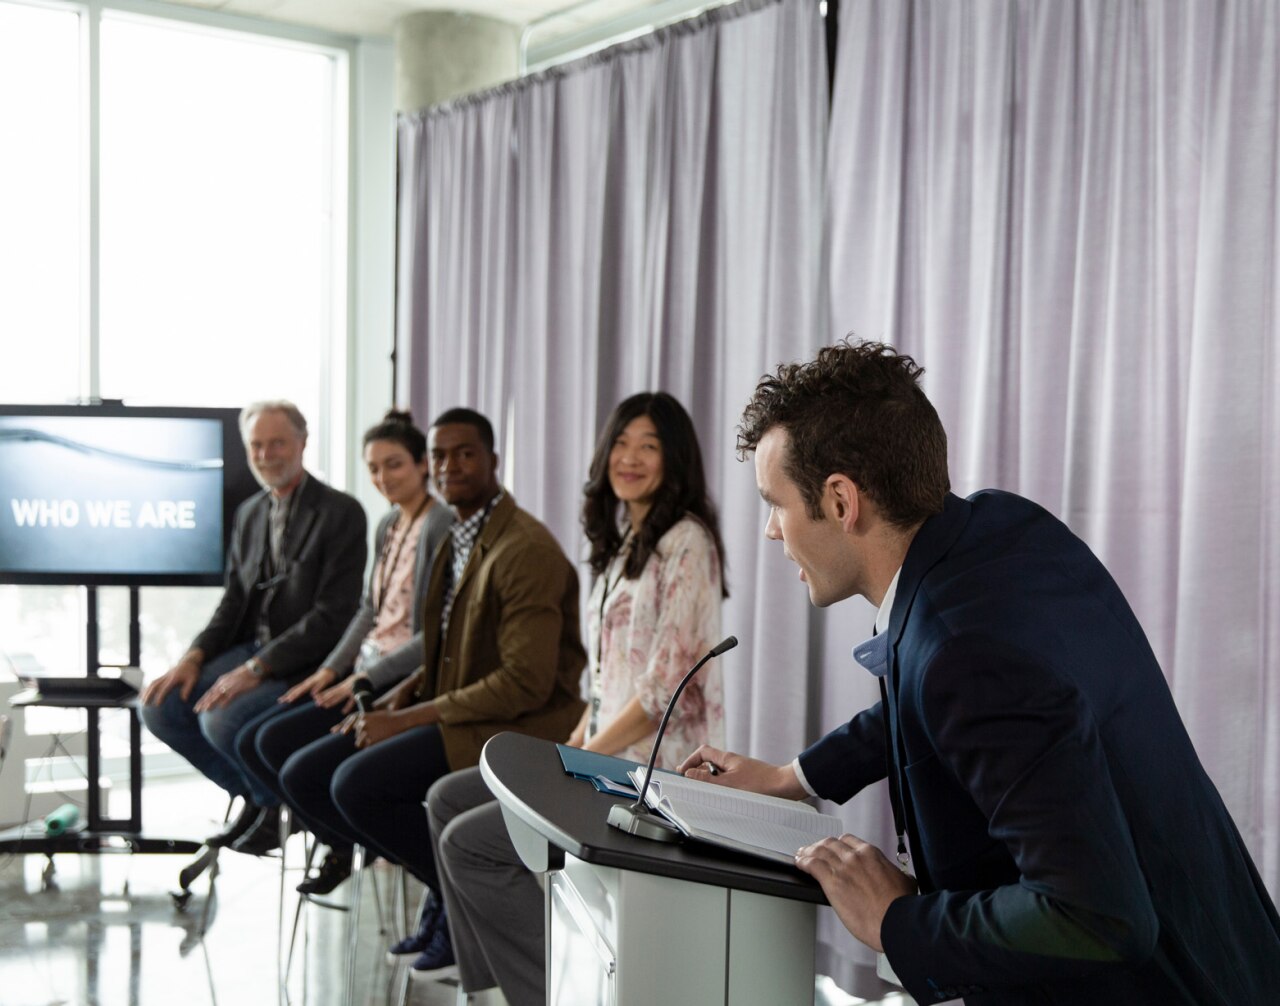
x=383 y=643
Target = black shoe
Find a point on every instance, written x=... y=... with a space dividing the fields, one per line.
x=436 y=960
x=263 y=837
x=333 y=871
x=236 y=827
x=431 y=920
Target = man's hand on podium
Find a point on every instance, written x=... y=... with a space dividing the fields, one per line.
x=859 y=880
x=725 y=768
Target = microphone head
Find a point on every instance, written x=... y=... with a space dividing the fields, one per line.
x=724 y=646
x=362 y=687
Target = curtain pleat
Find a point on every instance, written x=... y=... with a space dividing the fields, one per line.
x=649 y=218
x=1068 y=212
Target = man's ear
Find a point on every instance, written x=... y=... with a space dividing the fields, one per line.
x=844 y=500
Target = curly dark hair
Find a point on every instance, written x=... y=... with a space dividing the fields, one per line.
x=857 y=410
x=683 y=489
x=398 y=427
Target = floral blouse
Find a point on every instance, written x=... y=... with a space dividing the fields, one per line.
x=393 y=626
x=651 y=631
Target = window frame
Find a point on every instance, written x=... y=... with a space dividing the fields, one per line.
x=330 y=431
x=362 y=179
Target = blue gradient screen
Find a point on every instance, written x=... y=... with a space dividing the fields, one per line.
x=111 y=495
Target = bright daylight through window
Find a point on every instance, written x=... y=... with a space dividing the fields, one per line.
x=220 y=260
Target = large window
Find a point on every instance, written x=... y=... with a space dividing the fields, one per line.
x=217 y=220
x=43 y=176
x=173 y=206
x=172 y=212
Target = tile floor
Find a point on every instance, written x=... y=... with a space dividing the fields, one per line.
x=105 y=930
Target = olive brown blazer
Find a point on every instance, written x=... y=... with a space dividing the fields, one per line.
x=512 y=658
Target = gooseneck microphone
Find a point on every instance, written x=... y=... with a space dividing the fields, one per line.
x=362 y=692
x=637 y=819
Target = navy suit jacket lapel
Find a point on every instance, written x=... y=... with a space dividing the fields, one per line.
x=930 y=545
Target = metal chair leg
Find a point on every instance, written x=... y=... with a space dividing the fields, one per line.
x=283 y=971
x=353 y=922
x=311 y=845
x=208 y=898
x=384 y=917
x=402 y=901
x=205 y=862
x=403 y=996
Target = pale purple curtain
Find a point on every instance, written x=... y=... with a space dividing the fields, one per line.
x=1070 y=214
x=648 y=218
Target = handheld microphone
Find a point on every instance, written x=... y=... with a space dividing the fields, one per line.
x=637 y=819
x=362 y=692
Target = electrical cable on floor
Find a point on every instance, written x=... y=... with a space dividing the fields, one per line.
x=55 y=745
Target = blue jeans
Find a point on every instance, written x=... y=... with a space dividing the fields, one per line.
x=264 y=751
x=207 y=740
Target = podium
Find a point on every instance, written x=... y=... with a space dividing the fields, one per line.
x=633 y=922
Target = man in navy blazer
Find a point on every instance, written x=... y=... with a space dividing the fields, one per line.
x=1066 y=844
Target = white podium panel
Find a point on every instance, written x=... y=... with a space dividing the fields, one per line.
x=633 y=939
x=636 y=923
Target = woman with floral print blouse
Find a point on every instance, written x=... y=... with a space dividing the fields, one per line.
x=654 y=610
x=657 y=561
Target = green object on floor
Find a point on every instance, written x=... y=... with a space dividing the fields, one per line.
x=61 y=820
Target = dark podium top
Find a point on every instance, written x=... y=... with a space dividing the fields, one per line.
x=526 y=775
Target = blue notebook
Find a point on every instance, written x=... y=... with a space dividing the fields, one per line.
x=588 y=765
x=604 y=772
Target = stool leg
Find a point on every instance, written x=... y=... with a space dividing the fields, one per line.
x=353 y=921
x=283 y=971
x=310 y=844
x=383 y=923
x=208 y=900
x=403 y=997
x=402 y=900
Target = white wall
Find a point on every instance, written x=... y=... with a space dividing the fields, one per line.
x=372 y=258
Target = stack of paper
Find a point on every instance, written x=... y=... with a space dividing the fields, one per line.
x=764 y=826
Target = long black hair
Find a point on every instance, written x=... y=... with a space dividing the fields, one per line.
x=683 y=489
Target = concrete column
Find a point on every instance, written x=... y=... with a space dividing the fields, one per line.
x=445 y=54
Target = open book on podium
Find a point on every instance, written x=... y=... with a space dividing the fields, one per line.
x=765 y=826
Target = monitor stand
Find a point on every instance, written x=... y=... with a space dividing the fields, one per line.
x=99 y=833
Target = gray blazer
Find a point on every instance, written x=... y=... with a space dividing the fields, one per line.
x=404 y=659
x=324 y=547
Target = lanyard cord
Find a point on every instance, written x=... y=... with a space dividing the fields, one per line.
x=384 y=579
x=618 y=556
x=891 y=769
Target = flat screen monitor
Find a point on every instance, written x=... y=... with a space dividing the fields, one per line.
x=106 y=494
